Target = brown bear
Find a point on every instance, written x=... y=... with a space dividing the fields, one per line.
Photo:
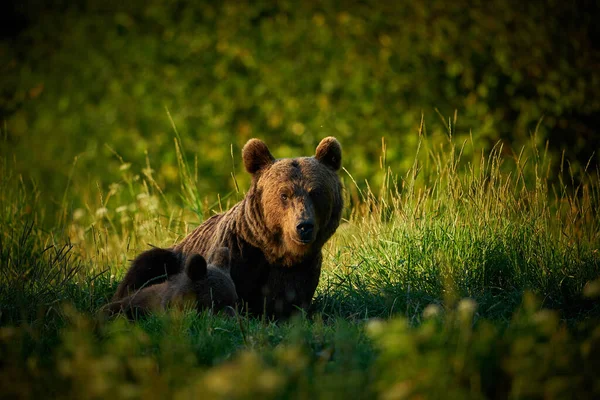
x=275 y=233
x=204 y=286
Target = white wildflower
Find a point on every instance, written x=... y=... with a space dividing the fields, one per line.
x=78 y=214
x=101 y=212
x=432 y=311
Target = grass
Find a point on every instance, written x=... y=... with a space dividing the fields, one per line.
x=457 y=279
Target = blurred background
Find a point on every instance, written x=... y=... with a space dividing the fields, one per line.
x=92 y=81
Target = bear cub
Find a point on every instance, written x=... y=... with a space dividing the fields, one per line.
x=206 y=286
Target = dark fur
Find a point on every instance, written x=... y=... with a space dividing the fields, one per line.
x=149 y=268
x=272 y=270
x=200 y=285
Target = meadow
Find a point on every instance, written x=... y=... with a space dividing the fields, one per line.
x=458 y=278
x=467 y=263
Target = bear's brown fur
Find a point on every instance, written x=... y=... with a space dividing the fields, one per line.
x=201 y=285
x=275 y=234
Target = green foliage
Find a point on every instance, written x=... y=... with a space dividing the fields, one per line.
x=448 y=355
x=82 y=75
x=534 y=357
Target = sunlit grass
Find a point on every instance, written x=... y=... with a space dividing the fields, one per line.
x=387 y=320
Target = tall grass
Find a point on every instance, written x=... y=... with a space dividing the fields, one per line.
x=390 y=317
x=488 y=228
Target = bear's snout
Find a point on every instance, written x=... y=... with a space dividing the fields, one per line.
x=305 y=231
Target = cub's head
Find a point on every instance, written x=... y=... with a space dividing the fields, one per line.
x=211 y=282
x=295 y=204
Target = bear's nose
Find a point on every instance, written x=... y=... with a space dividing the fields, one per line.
x=305 y=230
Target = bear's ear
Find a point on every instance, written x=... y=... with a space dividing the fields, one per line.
x=195 y=267
x=221 y=258
x=329 y=152
x=256 y=156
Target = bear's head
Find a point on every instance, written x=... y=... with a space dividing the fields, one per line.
x=210 y=283
x=294 y=204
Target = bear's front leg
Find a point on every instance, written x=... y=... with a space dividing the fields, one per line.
x=290 y=290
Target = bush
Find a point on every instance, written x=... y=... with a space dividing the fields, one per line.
x=83 y=78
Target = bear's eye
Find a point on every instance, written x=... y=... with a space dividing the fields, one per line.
x=283 y=196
